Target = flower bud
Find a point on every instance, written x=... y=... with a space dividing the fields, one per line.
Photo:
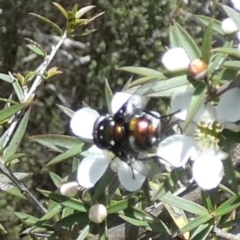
x=229 y=26
x=197 y=69
x=97 y=213
x=69 y=189
x=175 y=59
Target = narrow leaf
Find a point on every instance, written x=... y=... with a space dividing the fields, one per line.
x=233 y=14
x=187 y=42
x=83 y=10
x=206 y=20
x=228 y=206
x=184 y=204
x=108 y=95
x=10 y=111
x=66 y=110
x=207 y=43
x=72 y=152
x=65 y=201
x=52 y=24
x=84 y=233
x=36 y=49
x=55 y=142
x=143 y=71
x=17 y=137
x=196 y=223
x=230 y=51
x=61 y=9
x=197 y=99
x=6 y=78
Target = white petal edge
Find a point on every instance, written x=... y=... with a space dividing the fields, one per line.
x=176 y=150
x=83 y=121
x=228 y=109
x=91 y=170
x=207 y=171
x=134 y=102
x=131 y=180
x=175 y=59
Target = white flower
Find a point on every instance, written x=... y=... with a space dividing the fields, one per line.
x=69 y=189
x=229 y=26
x=97 y=213
x=236 y=4
x=175 y=59
x=201 y=142
x=92 y=167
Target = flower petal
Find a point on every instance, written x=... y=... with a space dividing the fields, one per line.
x=228 y=109
x=133 y=101
x=207 y=171
x=180 y=102
x=176 y=150
x=91 y=170
x=82 y=123
x=130 y=178
x=175 y=59
x=228 y=26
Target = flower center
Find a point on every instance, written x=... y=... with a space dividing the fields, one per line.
x=207 y=134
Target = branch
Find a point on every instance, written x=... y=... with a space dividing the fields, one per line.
x=24 y=190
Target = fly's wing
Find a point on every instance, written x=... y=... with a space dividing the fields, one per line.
x=149 y=167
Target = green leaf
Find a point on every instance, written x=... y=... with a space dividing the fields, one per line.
x=65 y=201
x=108 y=96
x=56 y=179
x=228 y=206
x=18 y=90
x=6 y=78
x=230 y=175
x=202 y=232
x=187 y=42
x=207 y=20
x=166 y=88
x=36 y=49
x=83 y=10
x=17 y=137
x=52 y=24
x=73 y=219
x=55 y=142
x=143 y=71
x=232 y=64
x=184 y=204
x=2 y=229
x=10 y=111
x=72 y=152
x=26 y=218
x=207 y=43
x=197 y=99
x=196 y=223
x=66 y=110
x=121 y=205
x=173 y=37
x=50 y=214
x=234 y=15
x=167 y=185
x=230 y=51
x=133 y=221
x=14 y=157
x=61 y=9
x=15 y=192
x=141 y=81
x=84 y=233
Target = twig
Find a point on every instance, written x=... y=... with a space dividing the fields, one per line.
x=229 y=236
x=43 y=68
x=29 y=196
